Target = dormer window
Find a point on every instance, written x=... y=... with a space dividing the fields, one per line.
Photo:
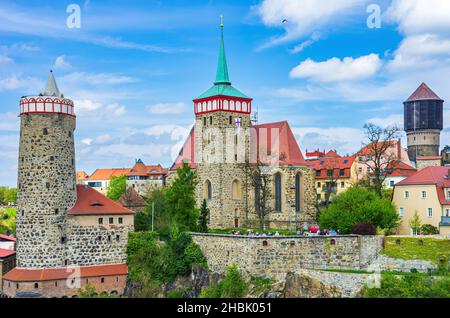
x=96 y=204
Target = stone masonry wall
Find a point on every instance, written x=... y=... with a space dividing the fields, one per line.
x=46 y=188
x=97 y=245
x=275 y=256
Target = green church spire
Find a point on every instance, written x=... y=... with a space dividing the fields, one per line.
x=222 y=68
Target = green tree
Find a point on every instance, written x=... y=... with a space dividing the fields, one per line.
x=355 y=206
x=231 y=286
x=415 y=223
x=180 y=196
x=412 y=285
x=117 y=187
x=8 y=221
x=8 y=195
x=203 y=219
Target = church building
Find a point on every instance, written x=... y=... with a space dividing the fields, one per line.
x=225 y=140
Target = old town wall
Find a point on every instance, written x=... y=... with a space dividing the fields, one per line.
x=274 y=256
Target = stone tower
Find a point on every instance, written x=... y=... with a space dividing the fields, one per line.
x=46 y=177
x=222 y=116
x=423 y=122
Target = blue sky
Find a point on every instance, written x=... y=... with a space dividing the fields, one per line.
x=134 y=67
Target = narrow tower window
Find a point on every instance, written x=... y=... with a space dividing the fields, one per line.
x=210 y=120
x=45 y=131
x=278 y=192
x=297 y=193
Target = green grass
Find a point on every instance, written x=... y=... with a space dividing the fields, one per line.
x=409 y=248
x=245 y=230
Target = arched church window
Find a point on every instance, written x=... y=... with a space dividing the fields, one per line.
x=232 y=105
x=214 y=105
x=297 y=193
x=238 y=106
x=209 y=105
x=277 y=185
x=244 y=107
x=208 y=190
x=225 y=105
x=236 y=190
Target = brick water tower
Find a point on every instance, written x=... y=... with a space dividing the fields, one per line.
x=46 y=177
x=423 y=123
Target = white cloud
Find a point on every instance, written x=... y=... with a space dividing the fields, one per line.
x=345 y=140
x=167 y=108
x=9 y=121
x=61 y=63
x=421 y=51
x=5 y=59
x=88 y=107
x=87 y=141
x=14 y=82
x=334 y=69
x=300 y=47
x=388 y=121
x=98 y=78
x=303 y=16
x=420 y=16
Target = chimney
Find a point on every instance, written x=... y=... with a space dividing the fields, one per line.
x=448 y=174
x=399 y=150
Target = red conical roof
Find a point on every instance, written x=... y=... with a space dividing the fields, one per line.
x=423 y=93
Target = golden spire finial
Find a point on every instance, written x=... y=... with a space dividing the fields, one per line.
x=221 y=21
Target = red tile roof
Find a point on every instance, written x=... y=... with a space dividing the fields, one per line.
x=423 y=92
x=6 y=253
x=401 y=169
x=81 y=175
x=92 y=202
x=335 y=163
x=36 y=275
x=187 y=153
x=428 y=175
x=132 y=199
x=7 y=238
x=107 y=174
x=429 y=158
x=288 y=148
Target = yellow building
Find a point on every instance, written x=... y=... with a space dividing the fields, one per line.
x=333 y=173
x=427 y=192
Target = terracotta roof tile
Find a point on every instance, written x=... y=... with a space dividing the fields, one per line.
x=7 y=238
x=6 y=253
x=187 y=153
x=107 y=174
x=335 y=163
x=92 y=202
x=36 y=275
x=428 y=175
x=423 y=92
x=132 y=199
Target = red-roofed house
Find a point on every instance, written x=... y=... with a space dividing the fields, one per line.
x=428 y=192
x=333 y=174
x=7 y=256
x=141 y=177
x=395 y=152
x=223 y=139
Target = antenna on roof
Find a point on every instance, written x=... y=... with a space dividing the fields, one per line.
x=254 y=116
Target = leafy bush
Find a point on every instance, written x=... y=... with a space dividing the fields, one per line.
x=8 y=221
x=355 y=206
x=428 y=229
x=89 y=292
x=151 y=260
x=231 y=286
x=117 y=187
x=413 y=285
x=194 y=255
x=364 y=229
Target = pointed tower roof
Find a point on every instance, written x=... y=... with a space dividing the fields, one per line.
x=222 y=85
x=423 y=92
x=51 y=89
x=222 y=67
